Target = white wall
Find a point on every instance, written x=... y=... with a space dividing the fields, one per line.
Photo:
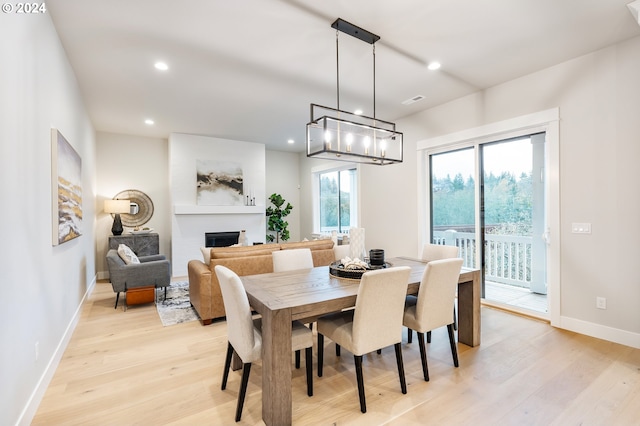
x=283 y=177
x=187 y=230
x=130 y=162
x=599 y=102
x=387 y=211
x=43 y=285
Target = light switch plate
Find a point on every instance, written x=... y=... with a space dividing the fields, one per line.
x=581 y=228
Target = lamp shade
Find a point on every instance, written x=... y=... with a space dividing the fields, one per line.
x=117 y=206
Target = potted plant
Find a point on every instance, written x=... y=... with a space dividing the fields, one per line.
x=275 y=222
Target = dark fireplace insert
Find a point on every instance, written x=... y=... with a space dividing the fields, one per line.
x=221 y=239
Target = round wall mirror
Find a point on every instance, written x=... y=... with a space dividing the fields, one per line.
x=141 y=207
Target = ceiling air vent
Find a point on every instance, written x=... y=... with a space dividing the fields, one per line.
x=413 y=100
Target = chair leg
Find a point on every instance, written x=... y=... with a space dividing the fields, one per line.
x=403 y=382
x=117 y=297
x=309 y=364
x=423 y=356
x=428 y=337
x=320 y=353
x=409 y=335
x=297 y=359
x=227 y=365
x=246 y=369
x=337 y=349
x=455 y=319
x=452 y=342
x=165 y=293
x=360 y=379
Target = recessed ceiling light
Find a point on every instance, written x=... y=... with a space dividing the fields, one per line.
x=162 y=66
x=290 y=141
x=358 y=112
x=434 y=66
x=149 y=122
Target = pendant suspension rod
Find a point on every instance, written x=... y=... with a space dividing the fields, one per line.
x=374 y=81
x=337 y=69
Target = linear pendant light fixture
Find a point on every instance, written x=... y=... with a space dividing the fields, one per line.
x=341 y=135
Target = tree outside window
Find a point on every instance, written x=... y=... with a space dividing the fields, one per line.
x=337 y=200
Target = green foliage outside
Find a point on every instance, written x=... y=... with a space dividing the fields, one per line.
x=508 y=203
x=276 y=224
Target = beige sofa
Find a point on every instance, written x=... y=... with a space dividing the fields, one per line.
x=204 y=288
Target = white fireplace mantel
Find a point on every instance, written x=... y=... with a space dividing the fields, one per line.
x=196 y=209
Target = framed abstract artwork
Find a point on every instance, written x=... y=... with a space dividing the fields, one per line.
x=219 y=183
x=66 y=189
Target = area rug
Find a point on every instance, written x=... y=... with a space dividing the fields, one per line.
x=176 y=309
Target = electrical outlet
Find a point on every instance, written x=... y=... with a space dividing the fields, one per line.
x=601 y=303
x=37 y=350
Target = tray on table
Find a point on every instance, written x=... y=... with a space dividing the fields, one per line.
x=337 y=270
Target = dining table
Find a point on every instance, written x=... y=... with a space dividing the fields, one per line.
x=283 y=297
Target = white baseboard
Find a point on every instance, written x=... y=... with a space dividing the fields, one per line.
x=26 y=417
x=610 y=334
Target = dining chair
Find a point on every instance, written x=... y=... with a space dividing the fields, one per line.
x=292 y=259
x=375 y=323
x=244 y=334
x=431 y=309
x=438 y=252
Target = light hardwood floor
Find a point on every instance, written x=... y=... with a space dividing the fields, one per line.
x=125 y=368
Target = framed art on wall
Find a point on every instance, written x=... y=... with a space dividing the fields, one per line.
x=66 y=190
x=219 y=183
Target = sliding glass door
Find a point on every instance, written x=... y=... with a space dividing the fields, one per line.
x=489 y=201
x=453 y=207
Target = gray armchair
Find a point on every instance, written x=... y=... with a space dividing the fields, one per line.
x=154 y=270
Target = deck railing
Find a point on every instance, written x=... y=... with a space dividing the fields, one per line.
x=507 y=257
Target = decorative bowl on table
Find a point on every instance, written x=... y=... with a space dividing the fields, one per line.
x=338 y=270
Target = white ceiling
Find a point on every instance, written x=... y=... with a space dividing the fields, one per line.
x=248 y=69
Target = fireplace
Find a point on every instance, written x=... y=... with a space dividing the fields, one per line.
x=220 y=239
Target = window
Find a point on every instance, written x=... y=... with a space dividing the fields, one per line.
x=336 y=200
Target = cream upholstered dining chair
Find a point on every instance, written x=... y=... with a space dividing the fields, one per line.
x=292 y=259
x=431 y=309
x=438 y=252
x=244 y=334
x=375 y=323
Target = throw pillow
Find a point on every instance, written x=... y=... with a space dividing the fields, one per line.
x=127 y=255
x=206 y=254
